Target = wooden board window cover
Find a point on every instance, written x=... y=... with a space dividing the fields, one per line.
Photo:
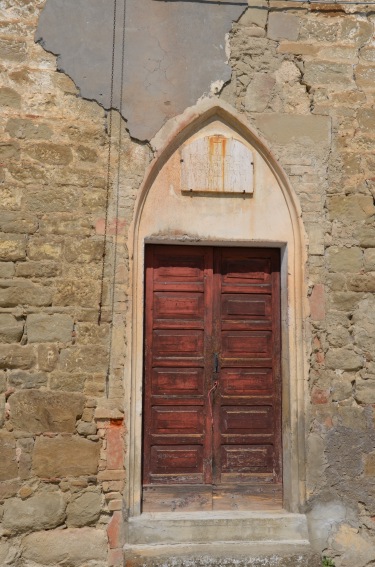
x=212 y=384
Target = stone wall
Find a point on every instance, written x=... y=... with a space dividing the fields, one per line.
x=304 y=77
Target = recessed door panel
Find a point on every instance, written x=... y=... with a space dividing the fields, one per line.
x=177 y=381
x=246 y=381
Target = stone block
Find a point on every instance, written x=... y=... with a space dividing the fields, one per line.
x=365 y=391
x=41 y=248
x=6 y=269
x=48 y=356
x=85 y=428
x=283 y=26
x=369 y=259
x=365 y=77
x=344 y=359
x=82 y=293
x=85 y=153
x=366 y=234
x=8 y=462
x=350 y=208
x=295 y=129
x=2 y=410
x=9 y=97
x=68 y=382
x=8 y=554
x=298 y=48
x=43 y=328
x=343 y=52
x=14 y=293
x=355 y=31
x=65 y=456
x=12 y=247
x=256 y=14
x=27 y=128
x=328 y=73
x=51 y=201
x=18 y=222
x=3 y=382
x=37 y=412
x=15 y=356
x=259 y=92
x=370 y=464
x=341 y=387
x=83 y=251
x=9 y=151
x=8 y=489
x=345 y=259
x=11 y=329
x=42 y=511
x=352 y=546
x=366 y=119
x=74 y=547
x=59 y=224
x=37 y=269
x=315 y=233
x=317 y=303
x=83 y=509
x=51 y=154
x=90 y=358
x=362 y=282
x=27 y=380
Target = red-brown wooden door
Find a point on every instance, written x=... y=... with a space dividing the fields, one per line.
x=212 y=403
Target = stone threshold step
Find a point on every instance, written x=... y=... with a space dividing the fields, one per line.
x=222 y=554
x=201 y=528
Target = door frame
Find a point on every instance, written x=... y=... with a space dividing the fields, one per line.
x=214 y=286
x=294 y=306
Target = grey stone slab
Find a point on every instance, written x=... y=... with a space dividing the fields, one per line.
x=173 y=52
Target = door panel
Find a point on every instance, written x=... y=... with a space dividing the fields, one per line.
x=212 y=404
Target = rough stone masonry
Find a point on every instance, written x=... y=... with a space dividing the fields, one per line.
x=304 y=76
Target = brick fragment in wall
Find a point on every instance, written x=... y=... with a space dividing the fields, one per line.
x=115 y=531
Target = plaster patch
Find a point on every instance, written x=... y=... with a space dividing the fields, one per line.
x=173 y=53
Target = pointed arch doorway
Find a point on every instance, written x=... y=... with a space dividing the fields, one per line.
x=267 y=219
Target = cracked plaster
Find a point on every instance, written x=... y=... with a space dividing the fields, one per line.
x=174 y=53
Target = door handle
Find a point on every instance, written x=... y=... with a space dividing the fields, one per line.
x=216 y=363
x=210 y=401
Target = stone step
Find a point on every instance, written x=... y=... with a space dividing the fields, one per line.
x=204 y=527
x=222 y=554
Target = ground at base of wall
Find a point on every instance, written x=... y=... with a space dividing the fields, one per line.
x=219 y=555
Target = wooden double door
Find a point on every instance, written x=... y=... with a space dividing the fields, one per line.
x=212 y=386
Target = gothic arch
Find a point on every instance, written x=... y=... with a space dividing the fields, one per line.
x=160 y=216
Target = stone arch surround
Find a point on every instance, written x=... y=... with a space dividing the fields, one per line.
x=270 y=218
